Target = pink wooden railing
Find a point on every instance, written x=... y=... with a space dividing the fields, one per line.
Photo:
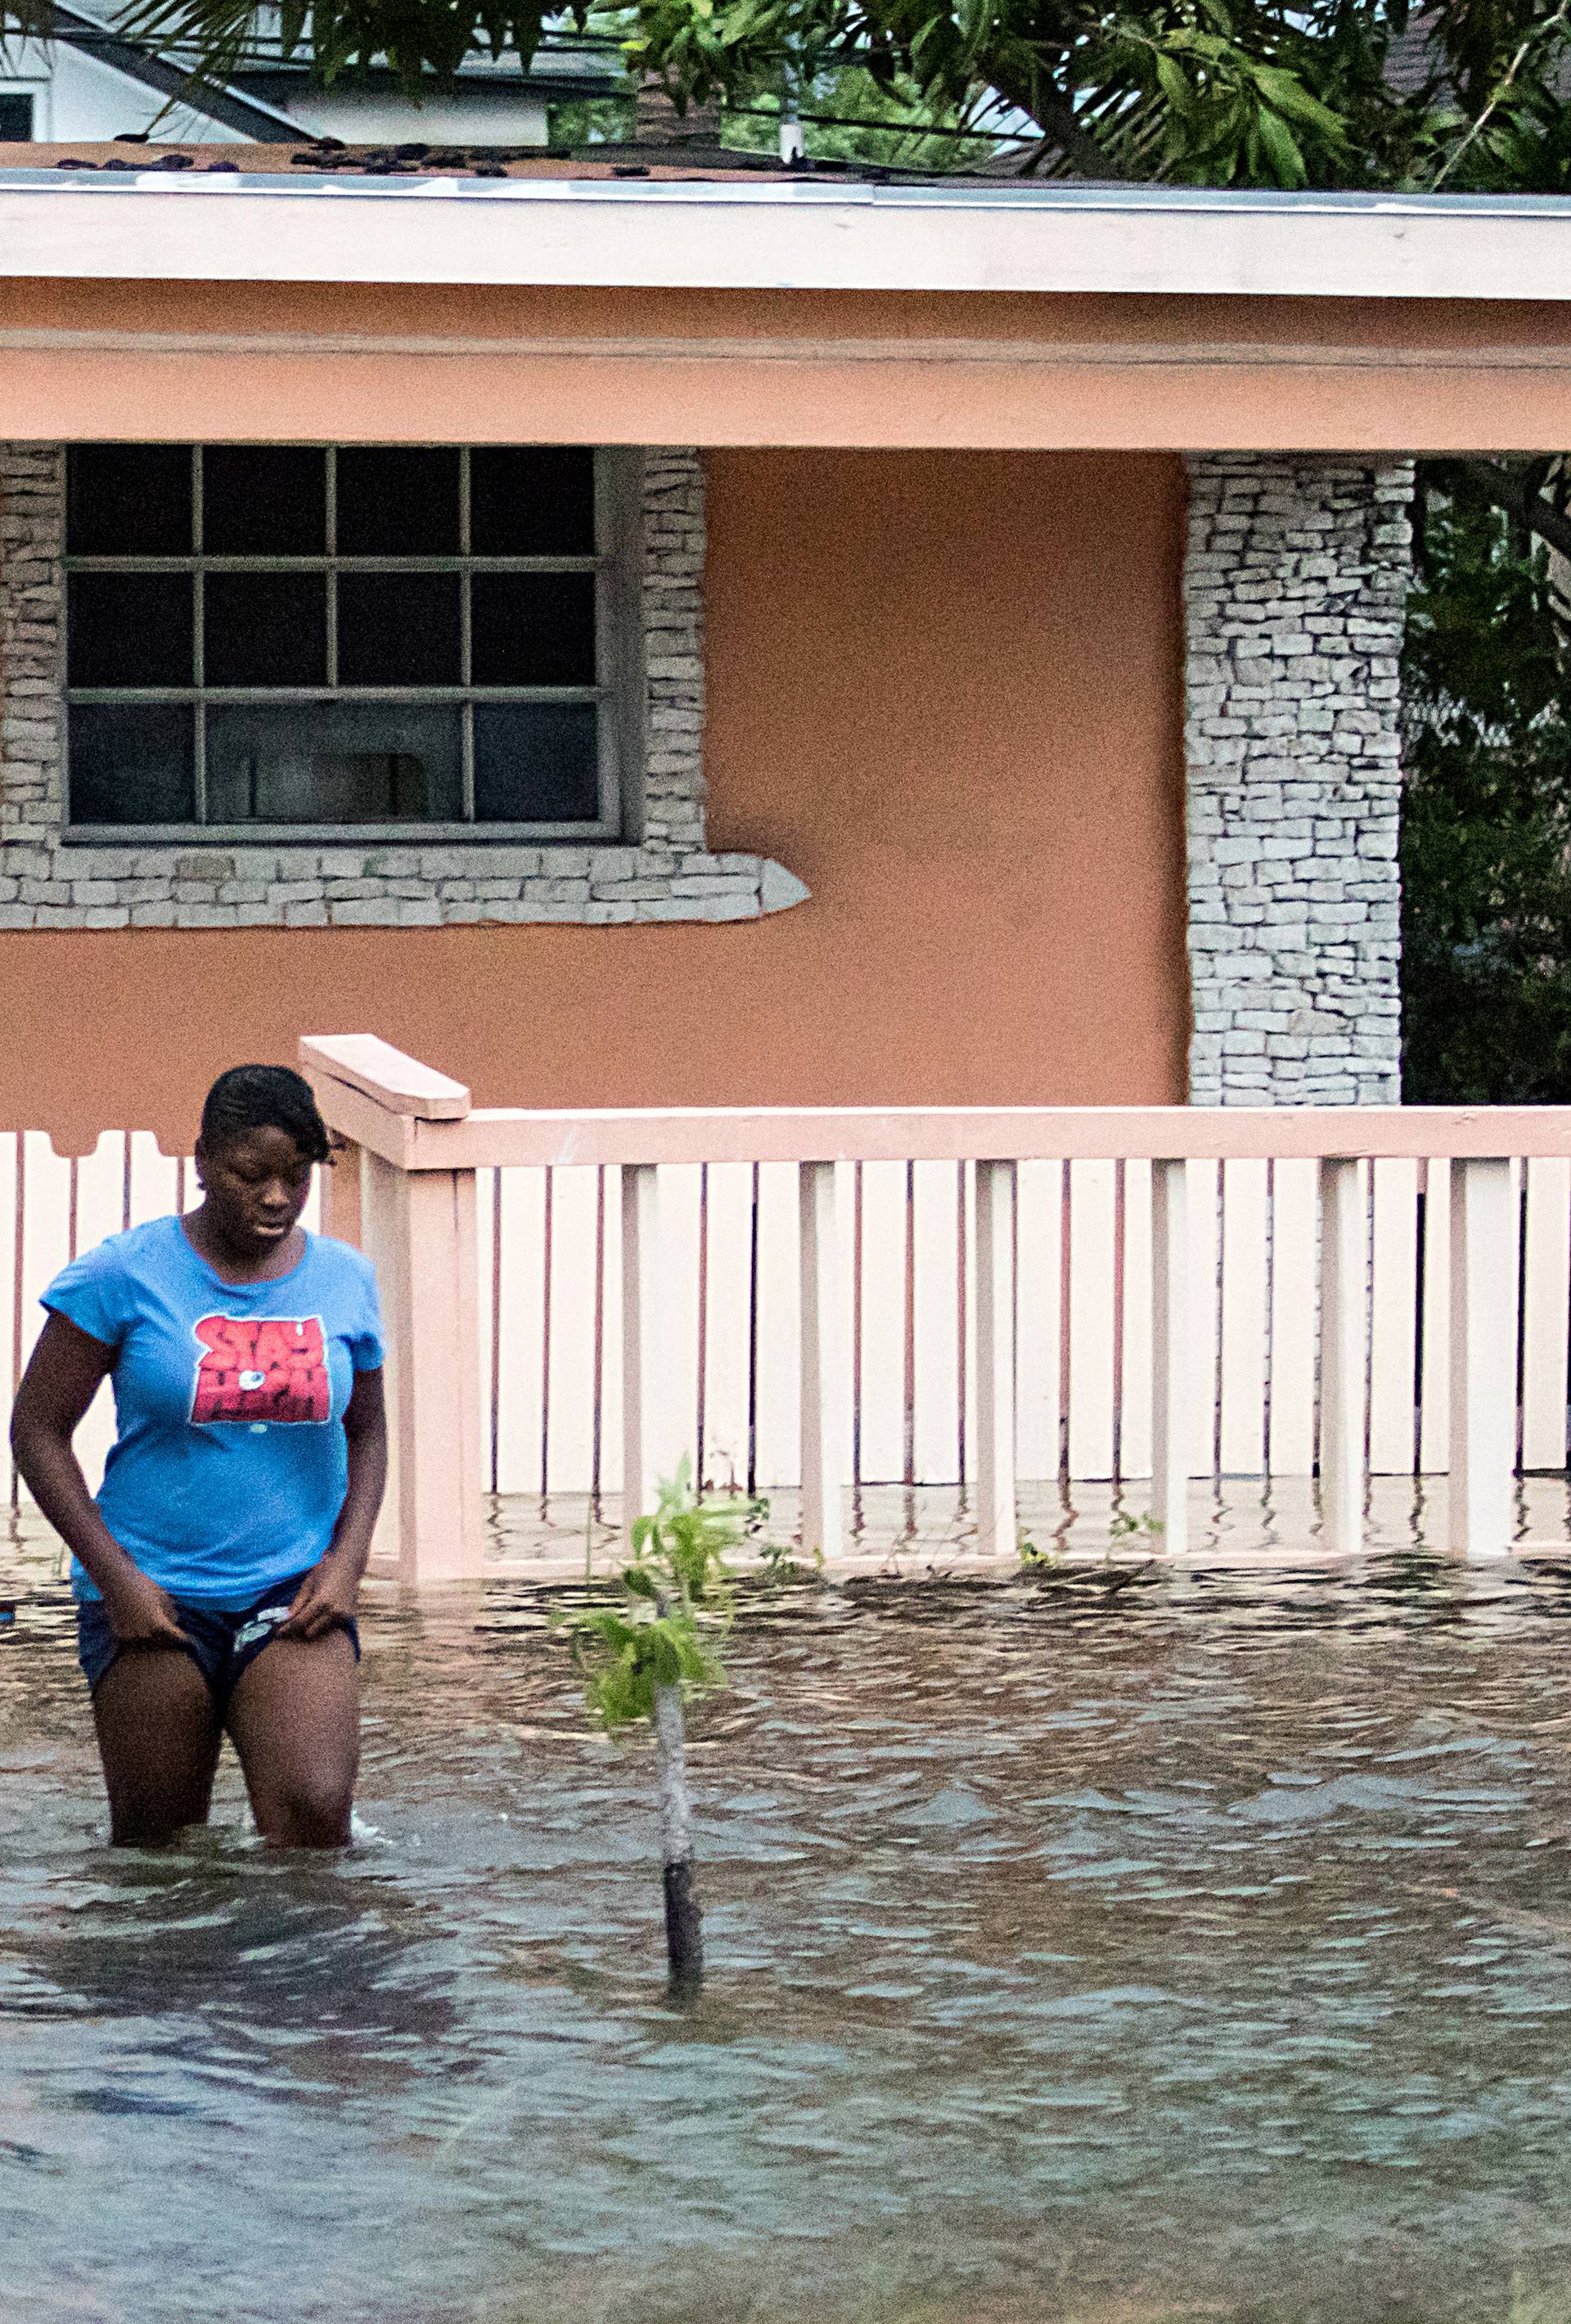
x=413 y=1202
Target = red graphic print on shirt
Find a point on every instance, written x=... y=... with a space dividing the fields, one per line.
x=261 y=1367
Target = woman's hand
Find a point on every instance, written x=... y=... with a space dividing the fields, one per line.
x=323 y=1602
x=140 y=1613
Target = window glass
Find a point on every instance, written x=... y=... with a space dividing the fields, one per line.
x=264 y=500
x=335 y=763
x=382 y=612
x=130 y=629
x=128 y=500
x=535 y=763
x=531 y=500
x=265 y=629
x=399 y=628
x=533 y=629
x=132 y=763
x=15 y=116
x=397 y=502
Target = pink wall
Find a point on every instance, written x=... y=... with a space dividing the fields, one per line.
x=945 y=689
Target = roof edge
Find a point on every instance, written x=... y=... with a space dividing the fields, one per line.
x=593 y=226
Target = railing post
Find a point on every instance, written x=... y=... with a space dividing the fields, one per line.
x=996 y=1514
x=1171 y=1350
x=1344 y=1333
x=1483 y=1367
x=825 y=1395
x=340 y=1183
x=642 y=1385
x=418 y=1230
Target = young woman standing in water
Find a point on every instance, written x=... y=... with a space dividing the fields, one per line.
x=217 y=1573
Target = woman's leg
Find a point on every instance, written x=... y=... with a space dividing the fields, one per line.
x=294 y=1717
x=158 y=1738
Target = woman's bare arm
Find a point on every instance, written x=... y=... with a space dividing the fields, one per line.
x=65 y=1370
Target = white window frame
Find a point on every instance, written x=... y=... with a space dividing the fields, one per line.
x=618 y=694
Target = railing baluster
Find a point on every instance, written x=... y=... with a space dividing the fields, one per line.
x=1435 y=1292
x=1093 y=1256
x=1170 y=1351
x=1295 y=1205
x=641 y=1335
x=1546 y=1282
x=1393 y=1331
x=995 y=1467
x=825 y=1386
x=1484 y=1260
x=1241 y=1423
x=1344 y=1333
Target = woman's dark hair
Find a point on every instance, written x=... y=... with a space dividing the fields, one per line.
x=265 y=1097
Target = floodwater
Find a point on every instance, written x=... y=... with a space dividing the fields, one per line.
x=1102 y=1943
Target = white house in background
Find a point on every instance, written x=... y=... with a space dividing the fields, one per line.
x=88 y=86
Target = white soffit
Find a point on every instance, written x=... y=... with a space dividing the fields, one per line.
x=618 y=233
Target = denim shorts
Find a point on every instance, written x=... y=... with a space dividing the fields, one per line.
x=222 y=1645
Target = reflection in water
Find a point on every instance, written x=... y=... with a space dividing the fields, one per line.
x=1200 y=1947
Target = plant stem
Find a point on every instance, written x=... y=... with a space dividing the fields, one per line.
x=684 y=1921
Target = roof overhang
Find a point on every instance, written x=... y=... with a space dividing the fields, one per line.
x=717 y=312
x=612 y=234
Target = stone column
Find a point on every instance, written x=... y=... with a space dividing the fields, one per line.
x=1295 y=588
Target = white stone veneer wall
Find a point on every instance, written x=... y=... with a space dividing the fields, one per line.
x=1295 y=589
x=46 y=881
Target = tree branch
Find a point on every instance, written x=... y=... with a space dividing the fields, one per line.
x=1056 y=117
x=1503 y=89
x=1516 y=496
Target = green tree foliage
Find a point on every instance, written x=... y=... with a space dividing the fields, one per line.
x=1203 y=91
x=1486 y=823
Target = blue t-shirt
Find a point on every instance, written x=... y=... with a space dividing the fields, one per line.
x=230 y=1463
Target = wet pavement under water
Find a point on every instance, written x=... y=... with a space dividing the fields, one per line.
x=1113 y=1943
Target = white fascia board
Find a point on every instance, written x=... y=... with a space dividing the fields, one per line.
x=618 y=233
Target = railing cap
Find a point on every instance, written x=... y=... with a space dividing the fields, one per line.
x=420 y=1119
x=398 y=1084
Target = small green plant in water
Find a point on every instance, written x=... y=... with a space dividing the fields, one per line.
x=1033 y=1559
x=784 y=1560
x=645 y=1658
x=1124 y=1525
x=1127 y=1525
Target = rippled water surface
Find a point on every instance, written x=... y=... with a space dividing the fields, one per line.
x=1200 y=1946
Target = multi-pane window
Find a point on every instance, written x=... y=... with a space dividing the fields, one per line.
x=300 y=636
